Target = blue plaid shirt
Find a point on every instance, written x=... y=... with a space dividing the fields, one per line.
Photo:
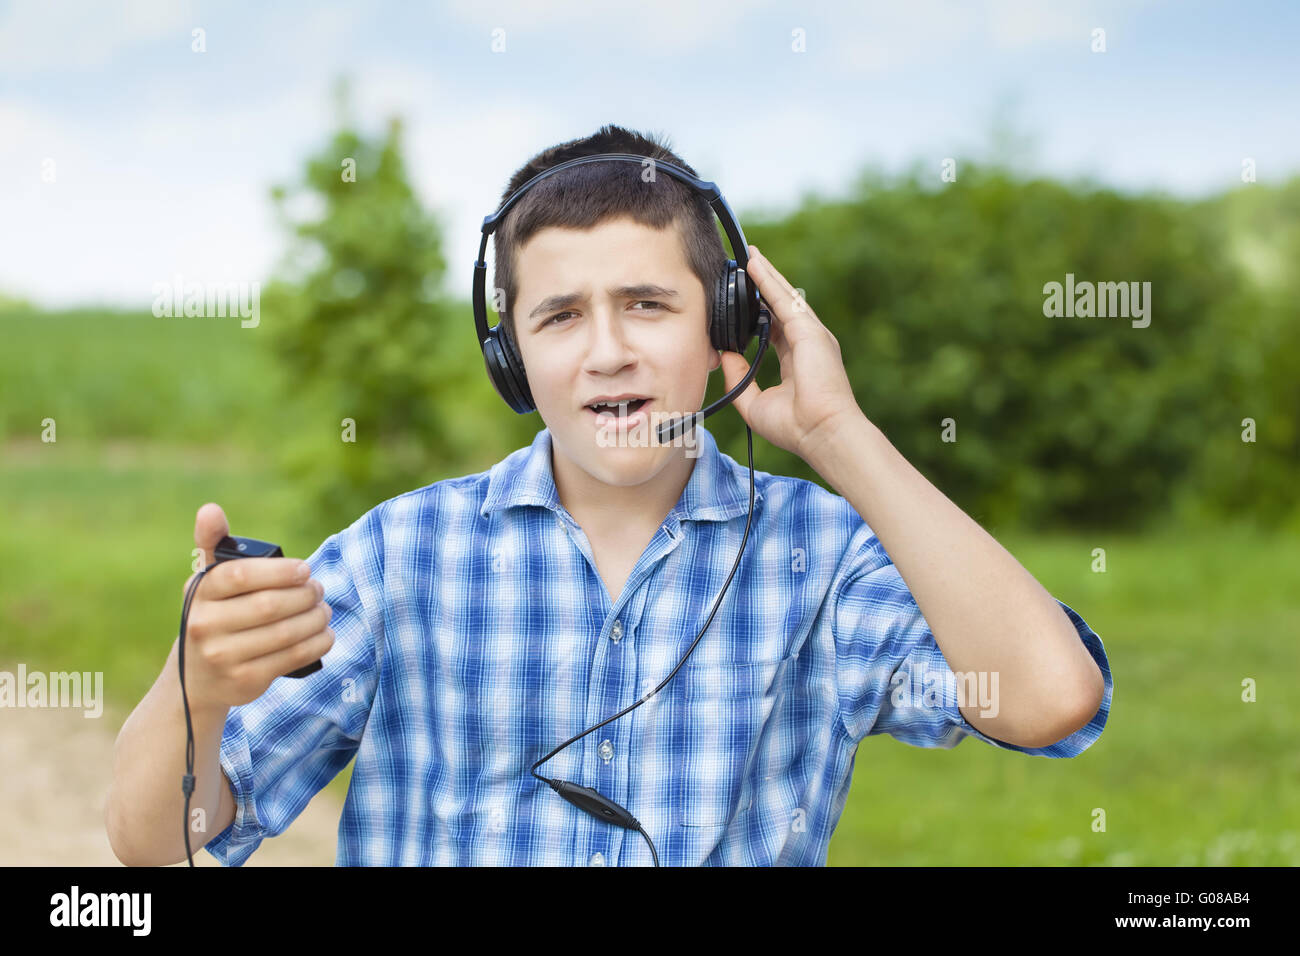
x=473 y=635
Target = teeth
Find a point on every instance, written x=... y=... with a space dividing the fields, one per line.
x=620 y=407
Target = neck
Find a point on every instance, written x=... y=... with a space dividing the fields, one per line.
x=602 y=509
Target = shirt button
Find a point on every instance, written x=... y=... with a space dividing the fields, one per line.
x=598 y=859
x=606 y=751
x=616 y=632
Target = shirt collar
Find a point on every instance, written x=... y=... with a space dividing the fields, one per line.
x=717 y=490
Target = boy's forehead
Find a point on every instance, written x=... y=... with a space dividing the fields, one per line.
x=557 y=239
x=560 y=256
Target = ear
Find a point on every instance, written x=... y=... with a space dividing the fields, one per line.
x=715 y=358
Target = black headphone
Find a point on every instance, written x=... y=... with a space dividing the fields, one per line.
x=737 y=314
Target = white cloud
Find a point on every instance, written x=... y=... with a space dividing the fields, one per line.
x=889 y=37
x=74 y=35
x=1013 y=24
x=662 y=28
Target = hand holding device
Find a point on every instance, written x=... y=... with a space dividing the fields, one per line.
x=260 y=617
x=251 y=615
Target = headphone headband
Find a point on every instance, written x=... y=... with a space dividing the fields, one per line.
x=710 y=192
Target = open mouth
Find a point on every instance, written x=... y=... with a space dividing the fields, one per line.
x=614 y=411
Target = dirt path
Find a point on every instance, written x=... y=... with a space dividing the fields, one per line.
x=54 y=778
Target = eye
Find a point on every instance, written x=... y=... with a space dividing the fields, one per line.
x=650 y=302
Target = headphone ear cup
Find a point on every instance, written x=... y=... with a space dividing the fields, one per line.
x=744 y=310
x=720 y=334
x=732 y=327
x=506 y=370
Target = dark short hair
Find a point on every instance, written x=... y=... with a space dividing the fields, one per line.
x=587 y=195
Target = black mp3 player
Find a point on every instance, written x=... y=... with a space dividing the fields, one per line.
x=229 y=548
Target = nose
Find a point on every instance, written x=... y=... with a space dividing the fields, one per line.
x=608 y=350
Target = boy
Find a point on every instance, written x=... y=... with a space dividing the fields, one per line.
x=480 y=621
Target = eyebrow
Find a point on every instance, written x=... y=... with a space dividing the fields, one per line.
x=554 y=303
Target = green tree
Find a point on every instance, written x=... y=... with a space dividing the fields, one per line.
x=935 y=292
x=361 y=333
x=1257 y=341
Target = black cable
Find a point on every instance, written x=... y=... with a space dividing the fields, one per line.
x=589 y=800
x=187 y=781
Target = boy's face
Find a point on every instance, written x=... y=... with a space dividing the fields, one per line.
x=616 y=336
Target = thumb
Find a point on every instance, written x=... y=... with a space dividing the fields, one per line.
x=210 y=526
x=734 y=368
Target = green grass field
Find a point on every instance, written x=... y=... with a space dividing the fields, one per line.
x=96 y=538
x=1187 y=773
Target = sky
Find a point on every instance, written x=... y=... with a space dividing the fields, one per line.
x=128 y=157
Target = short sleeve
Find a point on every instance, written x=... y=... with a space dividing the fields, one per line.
x=892 y=677
x=282 y=748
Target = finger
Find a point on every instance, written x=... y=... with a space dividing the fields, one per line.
x=783 y=304
x=734 y=368
x=246 y=611
x=788 y=307
x=782 y=347
x=765 y=265
x=766 y=272
x=210 y=526
x=242 y=575
x=778 y=342
x=270 y=639
x=296 y=655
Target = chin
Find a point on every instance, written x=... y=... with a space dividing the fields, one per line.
x=623 y=467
